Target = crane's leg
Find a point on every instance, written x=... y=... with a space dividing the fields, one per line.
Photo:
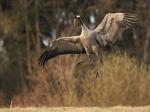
x=89 y=61
x=96 y=49
x=98 y=65
x=92 y=58
x=92 y=61
x=88 y=53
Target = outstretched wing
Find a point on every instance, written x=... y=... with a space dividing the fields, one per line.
x=112 y=23
x=60 y=47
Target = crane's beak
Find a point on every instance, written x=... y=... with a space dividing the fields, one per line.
x=74 y=22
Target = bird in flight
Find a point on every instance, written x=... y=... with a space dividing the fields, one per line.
x=90 y=41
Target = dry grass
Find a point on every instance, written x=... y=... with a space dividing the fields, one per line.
x=122 y=81
x=76 y=109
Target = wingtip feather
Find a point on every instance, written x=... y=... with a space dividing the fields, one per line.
x=42 y=59
x=130 y=20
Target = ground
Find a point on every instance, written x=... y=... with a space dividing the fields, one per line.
x=78 y=109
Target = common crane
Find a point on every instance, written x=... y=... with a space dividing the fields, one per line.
x=90 y=41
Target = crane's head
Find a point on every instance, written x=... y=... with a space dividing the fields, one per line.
x=77 y=17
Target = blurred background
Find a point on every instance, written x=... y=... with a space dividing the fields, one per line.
x=28 y=26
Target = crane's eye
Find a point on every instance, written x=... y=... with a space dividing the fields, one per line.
x=77 y=16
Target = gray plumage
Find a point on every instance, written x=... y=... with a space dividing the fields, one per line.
x=60 y=48
x=91 y=41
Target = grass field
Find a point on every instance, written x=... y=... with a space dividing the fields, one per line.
x=78 y=109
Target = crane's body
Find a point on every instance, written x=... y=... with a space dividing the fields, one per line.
x=92 y=41
x=89 y=43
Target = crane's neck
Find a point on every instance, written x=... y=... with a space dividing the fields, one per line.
x=83 y=26
x=81 y=22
